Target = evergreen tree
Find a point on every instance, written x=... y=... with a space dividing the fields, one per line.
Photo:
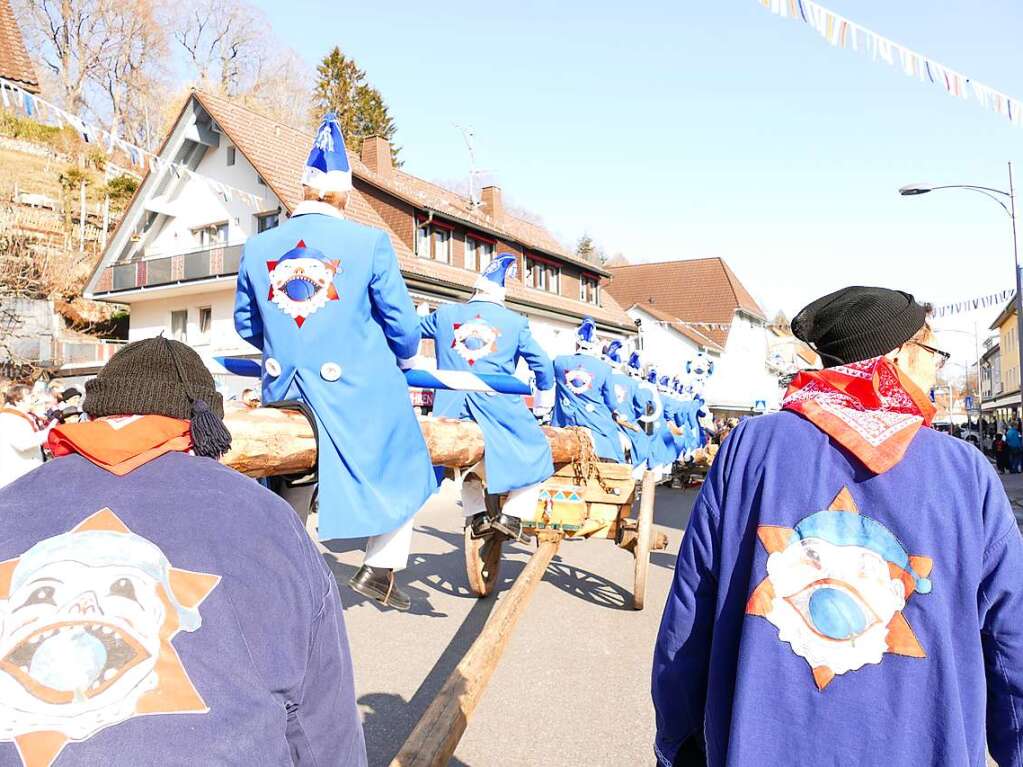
x=342 y=88
x=585 y=248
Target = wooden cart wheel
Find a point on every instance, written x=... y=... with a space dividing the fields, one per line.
x=482 y=563
x=644 y=533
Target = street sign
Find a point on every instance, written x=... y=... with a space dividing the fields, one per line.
x=969 y=403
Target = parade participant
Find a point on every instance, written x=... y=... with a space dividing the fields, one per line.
x=323 y=299
x=585 y=396
x=657 y=424
x=846 y=571
x=21 y=441
x=483 y=336
x=137 y=626
x=628 y=409
x=665 y=448
x=646 y=407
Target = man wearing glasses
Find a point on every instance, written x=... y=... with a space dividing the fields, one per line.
x=850 y=586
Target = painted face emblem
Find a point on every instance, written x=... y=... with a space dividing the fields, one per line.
x=86 y=623
x=579 y=380
x=836 y=586
x=302 y=282
x=475 y=339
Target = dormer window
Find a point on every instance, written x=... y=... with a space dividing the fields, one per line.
x=542 y=275
x=589 y=289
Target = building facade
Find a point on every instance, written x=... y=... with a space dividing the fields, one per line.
x=709 y=310
x=175 y=255
x=1004 y=404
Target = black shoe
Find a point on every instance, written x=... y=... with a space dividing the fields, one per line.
x=510 y=527
x=480 y=524
x=379 y=583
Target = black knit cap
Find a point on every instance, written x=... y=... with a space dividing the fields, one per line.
x=143 y=379
x=858 y=323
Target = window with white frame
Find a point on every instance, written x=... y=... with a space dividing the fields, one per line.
x=589 y=289
x=478 y=253
x=205 y=324
x=266 y=221
x=211 y=235
x=179 y=325
x=542 y=275
x=434 y=242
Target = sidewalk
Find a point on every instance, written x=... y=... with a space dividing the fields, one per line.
x=1013 y=484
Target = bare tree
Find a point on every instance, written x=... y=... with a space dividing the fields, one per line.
x=223 y=40
x=72 y=39
x=132 y=73
x=280 y=88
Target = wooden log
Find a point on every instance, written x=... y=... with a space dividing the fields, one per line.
x=270 y=442
x=435 y=737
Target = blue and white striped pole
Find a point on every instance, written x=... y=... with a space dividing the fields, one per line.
x=453 y=380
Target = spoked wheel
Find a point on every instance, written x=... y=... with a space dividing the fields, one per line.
x=482 y=562
x=644 y=537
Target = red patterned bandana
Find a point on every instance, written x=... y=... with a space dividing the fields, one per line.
x=870 y=408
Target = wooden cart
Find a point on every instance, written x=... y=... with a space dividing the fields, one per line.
x=595 y=502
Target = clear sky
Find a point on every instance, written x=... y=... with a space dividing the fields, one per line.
x=671 y=130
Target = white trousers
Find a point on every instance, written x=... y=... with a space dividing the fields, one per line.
x=519 y=503
x=390 y=550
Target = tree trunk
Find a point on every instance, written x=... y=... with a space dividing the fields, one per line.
x=271 y=442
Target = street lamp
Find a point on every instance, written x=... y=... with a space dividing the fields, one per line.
x=1000 y=196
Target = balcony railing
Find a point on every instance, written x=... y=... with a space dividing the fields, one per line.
x=85 y=353
x=203 y=264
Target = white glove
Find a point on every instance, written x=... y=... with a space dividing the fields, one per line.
x=411 y=362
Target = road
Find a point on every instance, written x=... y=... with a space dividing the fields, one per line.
x=573 y=685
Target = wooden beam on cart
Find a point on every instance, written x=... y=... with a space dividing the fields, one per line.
x=435 y=737
x=270 y=442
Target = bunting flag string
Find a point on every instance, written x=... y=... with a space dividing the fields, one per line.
x=973 y=304
x=13 y=96
x=840 y=32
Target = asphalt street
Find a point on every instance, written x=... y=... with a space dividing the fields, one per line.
x=573 y=685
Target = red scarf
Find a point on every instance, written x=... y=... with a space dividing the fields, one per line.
x=870 y=408
x=123 y=443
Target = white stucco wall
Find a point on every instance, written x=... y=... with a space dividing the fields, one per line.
x=663 y=346
x=198 y=205
x=741 y=376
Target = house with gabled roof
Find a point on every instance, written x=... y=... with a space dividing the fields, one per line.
x=15 y=65
x=174 y=256
x=708 y=309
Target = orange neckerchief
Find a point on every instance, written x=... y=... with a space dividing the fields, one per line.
x=870 y=408
x=121 y=444
x=13 y=411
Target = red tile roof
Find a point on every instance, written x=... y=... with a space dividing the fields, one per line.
x=697 y=290
x=14 y=61
x=278 y=153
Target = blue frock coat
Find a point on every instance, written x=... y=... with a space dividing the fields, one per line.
x=330 y=328
x=586 y=398
x=629 y=407
x=484 y=337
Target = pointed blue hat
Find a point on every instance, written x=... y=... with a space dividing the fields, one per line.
x=586 y=335
x=613 y=352
x=492 y=280
x=634 y=363
x=651 y=375
x=327 y=168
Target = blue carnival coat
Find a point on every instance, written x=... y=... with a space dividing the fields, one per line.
x=629 y=407
x=646 y=395
x=485 y=337
x=665 y=448
x=794 y=635
x=330 y=329
x=586 y=398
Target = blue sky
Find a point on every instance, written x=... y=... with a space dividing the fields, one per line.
x=675 y=130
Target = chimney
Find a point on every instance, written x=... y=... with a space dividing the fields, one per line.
x=376 y=154
x=491 y=199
